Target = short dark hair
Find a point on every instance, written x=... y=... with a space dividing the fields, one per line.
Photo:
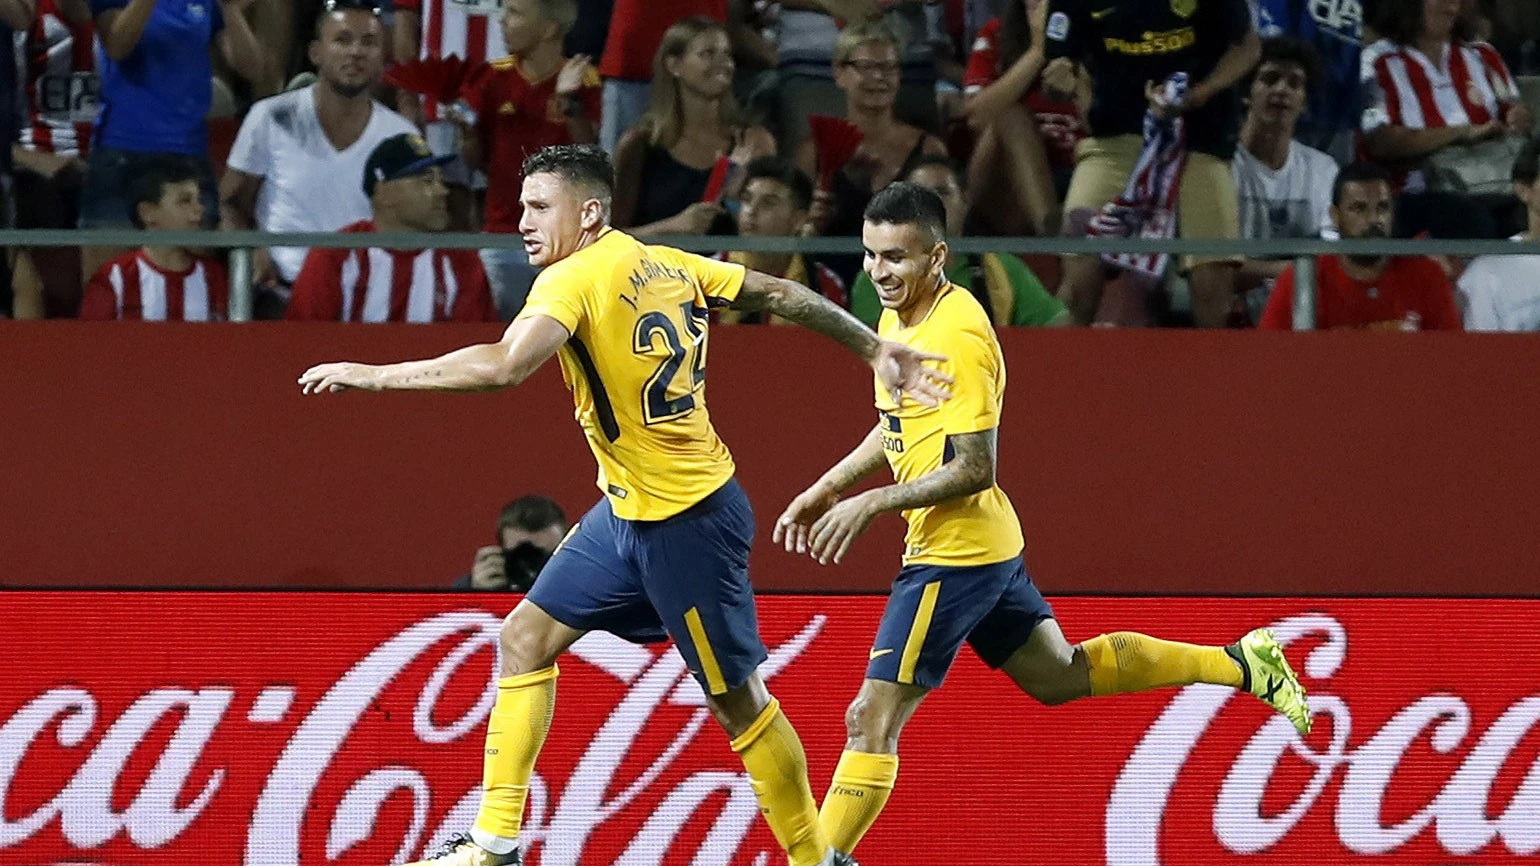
x=1358 y=172
x=938 y=160
x=149 y=182
x=585 y=165
x=783 y=172
x=530 y=513
x=327 y=8
x=905 y=203
x=1526 y=166
x=1286 y=49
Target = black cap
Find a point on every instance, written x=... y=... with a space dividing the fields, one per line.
x=399 y=156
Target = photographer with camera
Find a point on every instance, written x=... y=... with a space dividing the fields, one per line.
x=528 y=531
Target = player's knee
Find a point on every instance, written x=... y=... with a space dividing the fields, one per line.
x=871 y=725
x=523 y=650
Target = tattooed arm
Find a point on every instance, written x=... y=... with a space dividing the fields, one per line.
x=971 y=470
x=811 y=504
x=901 y=368
x=526 y=345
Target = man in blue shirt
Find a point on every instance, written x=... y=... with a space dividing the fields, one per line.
x=156 y=85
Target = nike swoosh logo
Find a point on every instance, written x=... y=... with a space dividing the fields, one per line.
x=878 y=653
x=1101 y=13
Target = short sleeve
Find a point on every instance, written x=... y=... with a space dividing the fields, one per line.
x=974 y=366
x=252 y=152
x=983 y=58
x=718 y=281
x=100 y=302
x=561 y=294
x=1278 y=314
x=1065 y=34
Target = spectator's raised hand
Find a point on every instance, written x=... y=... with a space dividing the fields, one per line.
x=574 y=73
x=1061 y=78
x=697 y=218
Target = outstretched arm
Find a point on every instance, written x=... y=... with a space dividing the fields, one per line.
x=527 y=344
x=902 y=369
x=971 y=470
x=797 y=520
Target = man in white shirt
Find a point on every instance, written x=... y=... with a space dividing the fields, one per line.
x=298 y=156
x=1284 y=187
x=1502 y=293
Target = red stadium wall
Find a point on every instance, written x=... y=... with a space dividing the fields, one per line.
x=168 y=455
x=273 y=729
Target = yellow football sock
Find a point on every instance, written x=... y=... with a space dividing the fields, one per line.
x=1127 y=661
x=515 y=733
x=777 y=769
x=862 y=783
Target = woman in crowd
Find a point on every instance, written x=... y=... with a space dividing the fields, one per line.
x=866 y=67
x=663 y=165
x=1433 y=88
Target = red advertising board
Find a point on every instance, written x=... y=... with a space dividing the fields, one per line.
x=269 y=729
x=164 y=455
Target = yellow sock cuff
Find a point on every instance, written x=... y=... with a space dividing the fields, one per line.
x=867 y=769
x=761 y=724
x=1103 y=662
x=533 y=678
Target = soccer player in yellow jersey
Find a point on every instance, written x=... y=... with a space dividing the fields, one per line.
x=962 y=576
x=665 y=552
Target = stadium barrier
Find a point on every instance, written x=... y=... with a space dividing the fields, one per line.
x=159 y=454
x=1301 y=251
x=274 y=729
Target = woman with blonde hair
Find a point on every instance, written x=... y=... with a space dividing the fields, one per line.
x=866 y=67
x=663 y=165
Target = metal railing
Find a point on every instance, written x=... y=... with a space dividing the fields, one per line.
x=1302 y=251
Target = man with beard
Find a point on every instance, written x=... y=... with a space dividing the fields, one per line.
x=298 y=156
x=1369 y=292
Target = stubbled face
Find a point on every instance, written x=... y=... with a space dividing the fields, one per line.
x=870 y=75
x=1278 y=93
x=556 y=214
x=706 y=66
x=420 y=202
x=1364 y=211
x=769 y=209
x=903 y=262
x=349 y=51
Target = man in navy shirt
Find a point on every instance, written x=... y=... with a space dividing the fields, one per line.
x=156 y=85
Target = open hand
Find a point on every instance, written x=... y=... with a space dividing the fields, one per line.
x=338 y=377
x=574 y=73
x=903 y=371
x=794 y=524
x=833 y=533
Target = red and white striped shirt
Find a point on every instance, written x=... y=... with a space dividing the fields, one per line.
x=1468 y=85
x=468 y=29
x=133 y=287
x=380 y=285
x=58 y=63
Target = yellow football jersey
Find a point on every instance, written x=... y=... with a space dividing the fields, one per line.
x=636 y=365
x=976 y=530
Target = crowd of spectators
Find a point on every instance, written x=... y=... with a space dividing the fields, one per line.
x=1210 y=119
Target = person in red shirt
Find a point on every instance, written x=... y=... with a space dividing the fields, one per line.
x=1022 y=133
x=161 y=283
x=532 y=99
x=405 y=185
x=1404 y=293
